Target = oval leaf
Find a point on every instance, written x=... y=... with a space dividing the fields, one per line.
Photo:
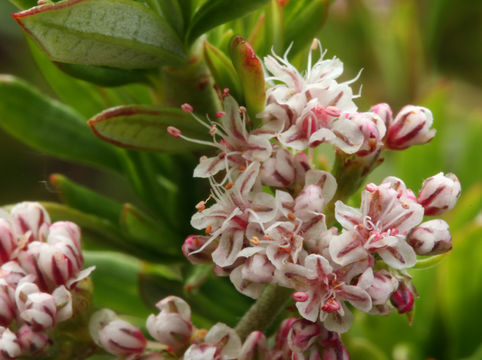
x=49 y=126
x=145 y=128
x=115 y=33
x=217 y=12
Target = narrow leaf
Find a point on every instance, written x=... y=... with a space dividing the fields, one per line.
x=223 y=70
x=49 y=126
x=103 y=75
x=85 y=200
x=24 y=4
x=303 y=26
x=171 y=11
x=150 y=234
x=116 y=33
x=145 y=128
x=217 y=12
x=251 y=73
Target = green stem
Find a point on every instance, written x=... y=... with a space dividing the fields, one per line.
x=263 y=312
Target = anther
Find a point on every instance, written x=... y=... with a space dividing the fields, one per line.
x=209 y=229
x=220 y=114
x=200 y=206
x=291 y=216
x=225 y=92
x=229 y=185
x=174 y=131
x=254 y=240
x=187 y=108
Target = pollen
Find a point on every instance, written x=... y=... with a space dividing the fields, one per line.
x=200 y=206
x=291 y=216
x=209 y=229
x=229 y=185
x=254 y=240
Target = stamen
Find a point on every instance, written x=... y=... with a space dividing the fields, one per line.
x=187 y=108
x=254 y=240
x=200 y=206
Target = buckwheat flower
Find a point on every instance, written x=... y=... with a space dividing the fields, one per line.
x=12 y=273
x=279 y=170
x=114 y=335
x=410 y=127
x=327 y=290
x=255 y=347
x=9 y=344
x=237 y=145
x=31 y=218
x=220 y=343
x=439 y=193
x=191 y=246
x=281 y=349
x=227 y=219
x=431 y=238
x=372 y=128
x=381 y=225
x=254 y=273
x=286 y=101
x=380 y=285
x=172 y=326
x=303 y=335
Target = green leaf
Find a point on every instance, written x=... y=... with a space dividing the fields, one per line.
x=116 y=282
x=145 y=128
x=217 y=12
x=150 y=235
x=85 y=200
x=103 y=75
x=250 y=72
x=171 y=11
x=302 y=26
x=116 y=33
x=49 y=126
x=24 y=4
x=223 y=71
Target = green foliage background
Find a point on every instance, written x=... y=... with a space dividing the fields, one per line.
x=423 y=52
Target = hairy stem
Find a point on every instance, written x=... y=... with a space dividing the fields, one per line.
x=263 y=312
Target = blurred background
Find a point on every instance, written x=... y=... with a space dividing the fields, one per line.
x=421 y=52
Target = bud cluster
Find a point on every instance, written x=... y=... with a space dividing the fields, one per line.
x=177 y=338
x=267 y=221
x=41 y=263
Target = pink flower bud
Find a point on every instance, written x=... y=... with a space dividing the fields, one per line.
x=174 y=131
x=8 y=240
x=385 y=112
x=169 y=329
x=303 y=334
x=36 y=308
x=66 y=232
x=12 y=273
x=194 y=243
x=439 y=193
x=175 y=305
x=255 y=347
x=279 y=170
x=201 y=352
x=9 y=344
x=431 y=238
x=32 y=342
x=336 y=351
x=281 y=346
x=403 y=299
x=31 y=216
x=116 y=336
x=373 y=130
x=382 y=287
x=410 y=127
x=7 y=303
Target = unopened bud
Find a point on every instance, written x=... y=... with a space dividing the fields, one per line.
x=31 y=217
x=255 y=347
x=403 y=299
x=303 y=334
x=439 y=193
x=169 y=329
x=36 y=308
x=32 y=342
x=309 y=201
x=7 y=303
x=385 y=112
x=335 y=351
x=192 y=244
x=8 y=240
x=382 y=287
x=281 y=340
x=9 y=344
x=300 y=296
x=279 y=170
x=114 y=335
x=410 y=127
x=431 y=238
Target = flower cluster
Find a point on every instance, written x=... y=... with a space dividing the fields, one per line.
x=177 y=338
x=41 y=263
x=268 y=220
